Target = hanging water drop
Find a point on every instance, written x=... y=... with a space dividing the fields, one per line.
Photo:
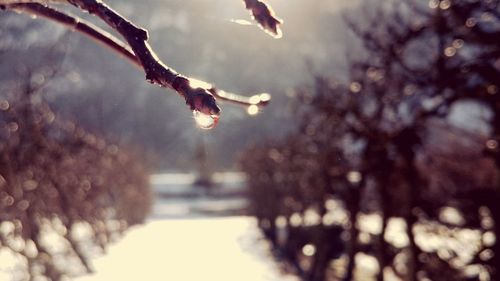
x=205 y=121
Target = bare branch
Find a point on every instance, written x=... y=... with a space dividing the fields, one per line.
x=80 y=25
x=264 y=15
x=45 y=2
x=198 y=96
x=156 y=71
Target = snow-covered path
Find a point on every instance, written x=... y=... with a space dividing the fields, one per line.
x=222 y=249
x=190 y=238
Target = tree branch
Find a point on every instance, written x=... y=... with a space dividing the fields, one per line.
x=264 y=15
x=198 y=96
x=80 y=25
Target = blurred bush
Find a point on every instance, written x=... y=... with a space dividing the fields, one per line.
x=64 y=192
x=394 y=174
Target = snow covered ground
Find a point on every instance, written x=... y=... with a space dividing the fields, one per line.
x=179 y=243
x=223 y=249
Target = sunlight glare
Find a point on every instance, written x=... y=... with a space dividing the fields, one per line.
x=278 y=35
x=241 y=22
x=253 y=110
x=255 y=99
x=265 y=97
x=168 y=249
x=195 y=83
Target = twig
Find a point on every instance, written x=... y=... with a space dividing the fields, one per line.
x=80 y=25
x=140 y=54
x=264 y=15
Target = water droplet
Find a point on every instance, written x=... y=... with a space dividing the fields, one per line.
x=205 y=121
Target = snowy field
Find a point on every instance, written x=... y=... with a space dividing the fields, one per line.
x=179 y=243
x=223 y=249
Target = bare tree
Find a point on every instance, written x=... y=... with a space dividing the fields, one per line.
x=389 y=146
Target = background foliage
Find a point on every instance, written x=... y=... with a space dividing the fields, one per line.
x=400 y=165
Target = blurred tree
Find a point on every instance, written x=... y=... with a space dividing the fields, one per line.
x=389 y=142
x=58 y=180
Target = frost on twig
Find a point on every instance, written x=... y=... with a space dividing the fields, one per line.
x=265 y=16
x=200 y=97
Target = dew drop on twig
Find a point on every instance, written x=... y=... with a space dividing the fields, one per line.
x=205 y=121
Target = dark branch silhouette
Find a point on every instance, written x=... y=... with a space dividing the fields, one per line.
x=198 y=96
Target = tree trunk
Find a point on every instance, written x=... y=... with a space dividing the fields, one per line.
x=353 y=207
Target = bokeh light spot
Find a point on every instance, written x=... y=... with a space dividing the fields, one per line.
x=253 y=109
x=309 y=250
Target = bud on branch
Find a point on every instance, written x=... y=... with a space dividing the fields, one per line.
x=138 y=51
x=265 y=16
